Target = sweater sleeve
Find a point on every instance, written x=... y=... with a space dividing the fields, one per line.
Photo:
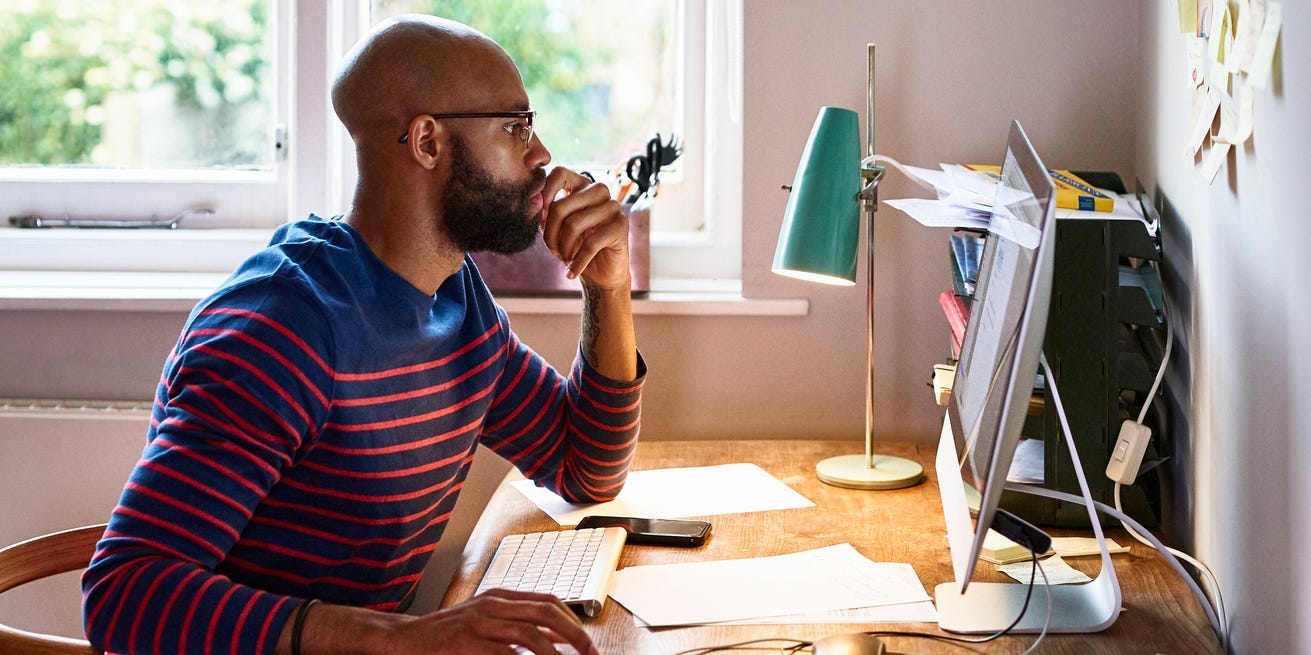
x=575 y=435
x=244 y=389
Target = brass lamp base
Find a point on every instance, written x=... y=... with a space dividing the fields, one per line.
x=852 y=472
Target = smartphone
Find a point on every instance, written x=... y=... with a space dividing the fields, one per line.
x=659 y=532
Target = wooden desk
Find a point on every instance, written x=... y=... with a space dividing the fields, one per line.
x=1160 y=614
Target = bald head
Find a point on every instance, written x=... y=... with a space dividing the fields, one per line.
x=416 y=64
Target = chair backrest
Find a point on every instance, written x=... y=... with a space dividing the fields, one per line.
x=38 y=558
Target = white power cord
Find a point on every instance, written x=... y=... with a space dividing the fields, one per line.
x=1213 y=586
x=1047 y=586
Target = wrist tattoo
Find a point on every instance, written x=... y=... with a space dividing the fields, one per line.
x=591 y=323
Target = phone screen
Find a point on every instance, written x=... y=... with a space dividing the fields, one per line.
x=673 y=532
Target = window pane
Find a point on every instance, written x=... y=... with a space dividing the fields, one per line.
x=150 y=84
x=600 y=73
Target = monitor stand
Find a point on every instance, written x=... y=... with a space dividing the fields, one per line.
x=988 y=607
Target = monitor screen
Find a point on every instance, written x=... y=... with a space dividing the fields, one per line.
x=1000 y=352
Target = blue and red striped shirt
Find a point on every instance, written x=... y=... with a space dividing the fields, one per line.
x=312 y=429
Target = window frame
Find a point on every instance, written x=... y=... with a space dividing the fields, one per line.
x=314 y=168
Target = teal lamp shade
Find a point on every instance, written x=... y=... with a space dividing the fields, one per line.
x=819 y=240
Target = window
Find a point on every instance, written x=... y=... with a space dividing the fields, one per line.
x=134 y=108
x=141 y=108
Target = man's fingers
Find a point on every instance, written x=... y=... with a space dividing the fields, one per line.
x=533 y=621
x=561 y=179
x=603 y=221
x=558 y=212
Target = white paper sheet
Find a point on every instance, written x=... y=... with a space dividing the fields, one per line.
x=1058 y=572
x=678 y=492
x=937 y=213
x=921 y=612
x=1084 y=546
x=808 y=582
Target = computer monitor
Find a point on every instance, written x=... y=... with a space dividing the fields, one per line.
x=995 y=375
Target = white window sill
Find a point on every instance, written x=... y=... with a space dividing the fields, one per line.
x=134 y=291
x=170 y=270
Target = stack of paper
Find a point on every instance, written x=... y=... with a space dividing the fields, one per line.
x=833 y=584
x=971 y=200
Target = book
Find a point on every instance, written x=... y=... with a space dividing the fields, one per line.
x=1072 y=191
x=966 y=250
x=958 y=315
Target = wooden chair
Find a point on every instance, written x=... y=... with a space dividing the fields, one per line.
x=38 y=558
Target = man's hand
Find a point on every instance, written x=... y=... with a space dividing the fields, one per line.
x=490 y=622
x=586 y=229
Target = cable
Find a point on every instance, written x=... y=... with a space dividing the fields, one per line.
x=1047 y=584
x=1028 y=595
x=901 y=167
x=1165 y=355
x=1211 y=582
x=1215 y=597
x=793 y=646
x=800 y=645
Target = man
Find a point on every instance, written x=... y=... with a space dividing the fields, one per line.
x=315 y=422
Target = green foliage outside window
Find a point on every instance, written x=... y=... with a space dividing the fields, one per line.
x=62 y=63
x=569 y=55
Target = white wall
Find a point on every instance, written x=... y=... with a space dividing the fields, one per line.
x=1237 y=248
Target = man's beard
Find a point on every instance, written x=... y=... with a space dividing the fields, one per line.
x=483 y=213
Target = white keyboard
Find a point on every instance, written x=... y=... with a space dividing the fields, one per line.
x=572 y=565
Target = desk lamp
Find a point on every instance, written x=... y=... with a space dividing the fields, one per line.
x=819 y=243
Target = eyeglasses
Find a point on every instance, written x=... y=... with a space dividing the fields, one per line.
x=523 y=129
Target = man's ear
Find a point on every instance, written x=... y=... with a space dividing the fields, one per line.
x=426 y=141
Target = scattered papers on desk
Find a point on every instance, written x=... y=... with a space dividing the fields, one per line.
x=1058 y=572
x=921 y=612
x=677 y=493
x=1084 y=546
x=805 y=583
x=1027 y=464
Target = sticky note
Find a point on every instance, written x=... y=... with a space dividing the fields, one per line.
x=1203 y=17
x=1247 y=32
x=1245 y=113
x=1188 y=16
x=1205 y=104
x=1213 y=160
x=1263 y=59
x=1218 y=35
x=1228 y=130
x=1196 y=54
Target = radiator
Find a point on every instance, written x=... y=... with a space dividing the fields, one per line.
x=62 y=465
x=63 y=462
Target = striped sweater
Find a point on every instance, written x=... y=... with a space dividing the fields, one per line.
x=312 y=429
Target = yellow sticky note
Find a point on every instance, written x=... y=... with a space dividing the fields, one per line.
x=1188 y=16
